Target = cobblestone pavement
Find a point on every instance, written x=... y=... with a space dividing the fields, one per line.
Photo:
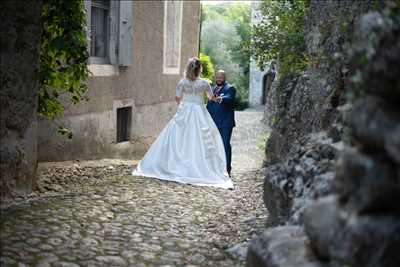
x=134 y=221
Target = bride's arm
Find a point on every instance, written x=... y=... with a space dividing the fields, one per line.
x=210 y=96
x=178 y=94
x=210 y=93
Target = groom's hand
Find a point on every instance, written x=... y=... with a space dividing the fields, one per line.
x=218 y=99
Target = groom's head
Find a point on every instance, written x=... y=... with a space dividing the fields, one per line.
x=220 y=77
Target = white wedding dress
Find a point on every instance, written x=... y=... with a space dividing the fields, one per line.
x=189 y=149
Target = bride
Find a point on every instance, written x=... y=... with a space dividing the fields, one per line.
x=189 y=149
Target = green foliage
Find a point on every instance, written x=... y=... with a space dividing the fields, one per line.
x=208 y=68
x=240 y=15
x=63 y=57
x=225 y=35
x=262 y=139
x=280 y=35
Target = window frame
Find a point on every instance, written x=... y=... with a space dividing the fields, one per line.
x=124 y=124
x=119 y=39
x=106 y=59
x=112 y=36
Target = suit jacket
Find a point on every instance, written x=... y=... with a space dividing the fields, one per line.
x=223 y=113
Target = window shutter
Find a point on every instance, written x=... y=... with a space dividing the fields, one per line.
x=125 y=33
x=88 y=18
x=114 y=23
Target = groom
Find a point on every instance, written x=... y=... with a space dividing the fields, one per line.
x=222 y=112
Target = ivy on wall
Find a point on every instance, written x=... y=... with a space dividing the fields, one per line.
x=63 y=57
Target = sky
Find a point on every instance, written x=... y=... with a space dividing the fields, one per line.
x=216 y=2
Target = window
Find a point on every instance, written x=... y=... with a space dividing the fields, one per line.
x=172 y=36
x=124 y=116
x=99 y=30
x=109 y=31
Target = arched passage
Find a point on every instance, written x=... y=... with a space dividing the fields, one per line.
x=266 y=85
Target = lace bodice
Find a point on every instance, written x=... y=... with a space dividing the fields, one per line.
x=193 y=91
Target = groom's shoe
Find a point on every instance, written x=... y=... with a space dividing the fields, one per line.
x=229 y=173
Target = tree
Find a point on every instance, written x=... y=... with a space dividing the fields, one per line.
x=280 y=35
x=225 y=31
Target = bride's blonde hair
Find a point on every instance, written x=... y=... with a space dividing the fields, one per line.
x=193 y=68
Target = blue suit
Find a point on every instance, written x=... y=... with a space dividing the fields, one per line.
x=223 y=115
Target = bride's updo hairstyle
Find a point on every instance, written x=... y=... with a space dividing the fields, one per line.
x=193 y=68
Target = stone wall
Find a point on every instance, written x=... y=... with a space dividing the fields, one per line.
x=308 y=114
x=355 y=220
x=312 y=103
x=271 y=100
x=363 y=216
x=307 y=174
x=20 y=44
x=308 y=103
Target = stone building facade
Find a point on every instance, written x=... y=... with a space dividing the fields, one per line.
x=256 y=85
x=138 y=50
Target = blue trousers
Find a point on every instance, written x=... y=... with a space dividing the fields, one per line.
x=226 y=133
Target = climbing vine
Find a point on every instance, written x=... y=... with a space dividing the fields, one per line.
x=280 y=35
x=63 y=57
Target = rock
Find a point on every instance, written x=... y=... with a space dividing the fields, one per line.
x=374 y=124
x=276 y=198
x=197 y=259
x=239 y=251
x=319 y=227
x=392 y=145
x=306 y=174
x=366 y=184
x=111 y=260
x=281 y=246
x=346 y=238
x=323 y=184
x=56 y=188
x=65 y=264
x=378 y=32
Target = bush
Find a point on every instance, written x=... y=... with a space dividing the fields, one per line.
x=208 y=68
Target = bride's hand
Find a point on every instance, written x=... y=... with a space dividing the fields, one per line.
x=214 y=98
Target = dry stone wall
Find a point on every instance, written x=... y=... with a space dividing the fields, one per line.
x=337 y=201
x=20 y=42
